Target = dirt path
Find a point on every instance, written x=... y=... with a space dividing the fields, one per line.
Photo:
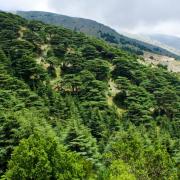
x=45 y=48
x=113 y=88
x=112 y=91
x=40 y=59
x=21 y=33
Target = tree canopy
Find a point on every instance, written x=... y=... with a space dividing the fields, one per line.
x=76 y=107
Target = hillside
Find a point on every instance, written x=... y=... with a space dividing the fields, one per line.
x=95 y=29
x=170 y=43
x=75 y=107
x=170 y=63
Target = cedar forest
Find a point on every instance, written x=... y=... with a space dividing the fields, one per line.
x=75 y=107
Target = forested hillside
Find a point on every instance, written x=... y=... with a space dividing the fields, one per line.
x=96 y=29
x=75 y=107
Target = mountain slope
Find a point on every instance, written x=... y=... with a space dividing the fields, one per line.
x=95 y=29
x=171 y=41
x=75 y=107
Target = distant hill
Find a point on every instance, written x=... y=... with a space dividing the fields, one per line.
x=96 y=29
x=172 y=41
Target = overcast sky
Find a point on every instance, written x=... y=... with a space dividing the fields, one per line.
x=133 y=16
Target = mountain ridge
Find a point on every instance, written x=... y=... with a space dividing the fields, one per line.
x=96 y=29
x=172 y=41
x=153 y=39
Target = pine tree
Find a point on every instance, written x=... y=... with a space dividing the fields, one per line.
x=79 y=139
x=5 y=62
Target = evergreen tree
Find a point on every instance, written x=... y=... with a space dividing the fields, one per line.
x=79 y=139
x=4 y=60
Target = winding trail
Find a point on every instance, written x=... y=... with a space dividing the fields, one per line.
x=112 y=92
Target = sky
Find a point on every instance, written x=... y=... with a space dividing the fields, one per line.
x=132 y=16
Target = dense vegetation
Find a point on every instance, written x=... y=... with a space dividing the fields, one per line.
x=96 y=29
x=74 y=107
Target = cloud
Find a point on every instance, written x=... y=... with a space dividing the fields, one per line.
x=124 y=15
x=150 y=16
x=164 y=27
x=12 y=5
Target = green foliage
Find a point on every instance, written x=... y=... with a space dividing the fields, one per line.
x=8 y=139
x=167 y=101
x=39 y=156
x=147 y=159
x=4 y=60
x=34 y=158
x=75 y=107
x=79 y=139
x=27 y=69
x=89 y=52
x=72 y=62
x=59 y=51
x=52 y=71
x=99 y=68
x=119 y=170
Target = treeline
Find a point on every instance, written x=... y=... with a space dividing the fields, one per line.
x=97 y=30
